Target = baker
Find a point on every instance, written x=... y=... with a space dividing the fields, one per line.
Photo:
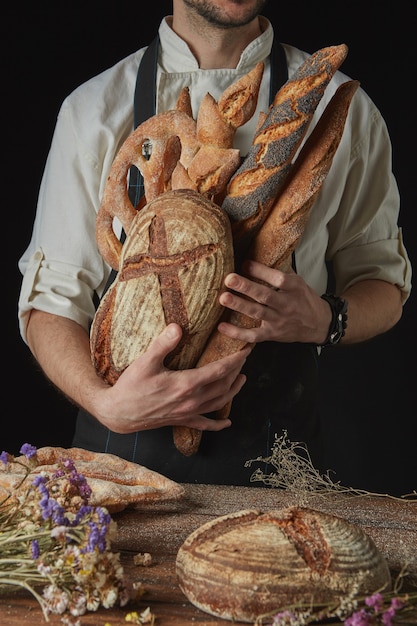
x=353 y=226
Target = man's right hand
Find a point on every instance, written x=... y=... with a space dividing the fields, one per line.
x=149 y=395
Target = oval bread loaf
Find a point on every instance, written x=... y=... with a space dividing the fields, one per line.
x=249 y=563
x=176 y=254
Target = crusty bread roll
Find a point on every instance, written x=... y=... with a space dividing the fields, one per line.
x=251 y=563
x=217 y=122
x=181 y=153
x=176 y=255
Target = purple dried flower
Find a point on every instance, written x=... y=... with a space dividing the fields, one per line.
x=35 y=550
x=38 y=481
x=85 y=491
x=397 y=603
x=375 y=601
x=4 y=457
x=58 y=514
x=69 y=541
x=28 y=450
x=389 y=614
x=83 y=513
x=285 y=618
x=359 y=618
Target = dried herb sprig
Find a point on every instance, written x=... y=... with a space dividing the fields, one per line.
x=295 y=472
x=380 y=608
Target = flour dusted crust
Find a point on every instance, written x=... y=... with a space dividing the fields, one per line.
x=116 y=483
x=176 y=255
x=250 y=563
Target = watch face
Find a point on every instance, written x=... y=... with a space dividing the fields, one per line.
x=336 y=337
x=337 y=334
x=339 y=319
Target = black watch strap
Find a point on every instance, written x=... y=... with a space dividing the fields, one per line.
x=338 y=324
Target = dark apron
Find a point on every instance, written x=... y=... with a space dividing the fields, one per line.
x=280 y=394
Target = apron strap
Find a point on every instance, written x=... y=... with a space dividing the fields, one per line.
x=144 y=108
x=279 y=69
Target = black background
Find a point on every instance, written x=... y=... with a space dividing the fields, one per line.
x=368 y=391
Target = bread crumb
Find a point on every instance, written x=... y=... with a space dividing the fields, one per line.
x=142 y=558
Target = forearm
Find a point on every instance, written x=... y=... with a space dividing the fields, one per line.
x=147 y=394
x=374 y=306
x=62 y=349
x=291 y=311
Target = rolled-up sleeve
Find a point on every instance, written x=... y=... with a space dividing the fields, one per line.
x=62 y=267
x=57 y=288
x=381 y=260
x=365 y=239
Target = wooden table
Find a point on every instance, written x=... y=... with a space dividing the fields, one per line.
x=161 y=528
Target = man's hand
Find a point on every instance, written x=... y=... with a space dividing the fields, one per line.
x=149 y=395
x=287 y=308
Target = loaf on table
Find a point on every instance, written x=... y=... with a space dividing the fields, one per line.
x=251 y=563
x=115 y=483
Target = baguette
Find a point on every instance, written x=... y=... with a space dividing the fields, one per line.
x=284 y=226
x=115 y=483
x=285 y=223
x=256 y=183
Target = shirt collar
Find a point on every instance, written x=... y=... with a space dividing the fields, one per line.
x=175 y=52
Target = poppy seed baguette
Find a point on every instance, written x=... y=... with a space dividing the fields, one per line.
x=254 y=186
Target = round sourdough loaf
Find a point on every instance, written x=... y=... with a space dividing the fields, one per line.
x=177 y=252
x=251 y=563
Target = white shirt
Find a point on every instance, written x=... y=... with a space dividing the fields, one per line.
x=353 y=222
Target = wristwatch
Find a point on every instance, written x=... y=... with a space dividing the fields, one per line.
x=338 y=324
